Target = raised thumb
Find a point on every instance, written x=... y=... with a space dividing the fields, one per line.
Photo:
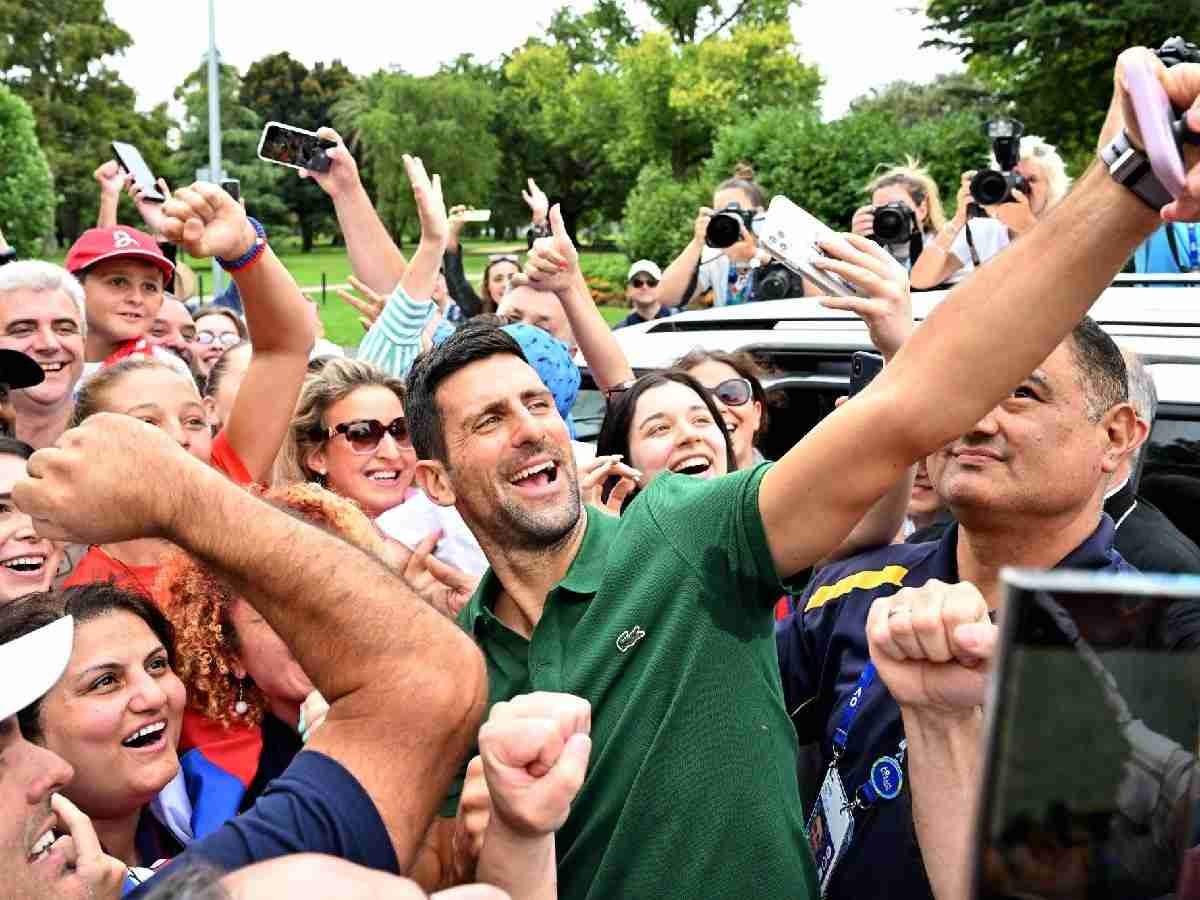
x=557 y=228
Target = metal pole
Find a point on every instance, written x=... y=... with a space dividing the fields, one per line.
x=322 y=288
x=214 y=120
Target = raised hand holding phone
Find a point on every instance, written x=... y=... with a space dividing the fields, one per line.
x=885 y=303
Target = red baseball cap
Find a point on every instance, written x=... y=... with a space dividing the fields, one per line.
x=99 y=244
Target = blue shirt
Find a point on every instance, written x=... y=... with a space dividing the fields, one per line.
x=635 y=318
x=315 y=806
x=1154 y=255
x=822 y=652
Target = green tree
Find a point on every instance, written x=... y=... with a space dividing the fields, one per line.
x=659 y=213
x=675 y=98
x=913 y=104
x=444 y=119
x=26 y=195
x=1053 y=59
x=282 y=89
x=690 y=21
x=52 y=54
x=823 y=166
x=240 y=131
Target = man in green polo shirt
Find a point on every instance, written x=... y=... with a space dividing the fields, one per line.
x=662 y=620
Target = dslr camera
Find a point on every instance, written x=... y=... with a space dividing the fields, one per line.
x=725 y=226
x=895 y=223
x=775 y=281
x=990 y=187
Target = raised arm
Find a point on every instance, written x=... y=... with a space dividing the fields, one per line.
x=991 y=331
x=112 y=180
x=374 y=256
x=554 y=265
x=406 y=688
x=206 y=221
x=937 y=261
x=679 y=275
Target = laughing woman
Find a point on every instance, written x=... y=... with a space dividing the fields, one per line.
x=28 y=563
x=114 y=716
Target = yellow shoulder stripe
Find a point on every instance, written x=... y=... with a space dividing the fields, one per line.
x=858 y=581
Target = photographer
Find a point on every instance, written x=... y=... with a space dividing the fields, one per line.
x=979 y=230
x=905 y=213
x=728 y=274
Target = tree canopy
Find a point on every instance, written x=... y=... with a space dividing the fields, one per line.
x=26 y=196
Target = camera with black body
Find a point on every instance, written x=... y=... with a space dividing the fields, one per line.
x=895 y=223
x=990 y=187
x=1176 y=50
x=725 y=226
x=775 y=281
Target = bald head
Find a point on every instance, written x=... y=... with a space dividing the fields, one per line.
x=541 y=309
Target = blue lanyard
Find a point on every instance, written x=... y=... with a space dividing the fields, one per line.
x=887 y=773
x=1193 y=249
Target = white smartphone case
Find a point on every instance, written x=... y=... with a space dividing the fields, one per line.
x=790 y=235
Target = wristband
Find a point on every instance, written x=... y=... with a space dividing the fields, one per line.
x=1130 y=168
x=251 y=255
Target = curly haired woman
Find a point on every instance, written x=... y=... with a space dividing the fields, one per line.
x=245 y=690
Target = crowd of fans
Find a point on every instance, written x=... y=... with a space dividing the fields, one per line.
x=275 y=622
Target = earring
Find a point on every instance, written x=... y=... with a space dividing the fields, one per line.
x=241 y=707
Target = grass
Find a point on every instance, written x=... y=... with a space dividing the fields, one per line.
x=341 y=320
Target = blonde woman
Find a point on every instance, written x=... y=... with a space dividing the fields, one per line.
x=913 y=186
x=962 y=247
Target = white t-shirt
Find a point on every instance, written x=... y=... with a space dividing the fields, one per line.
x=989 y=236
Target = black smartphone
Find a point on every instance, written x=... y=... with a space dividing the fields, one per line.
x=863 y=367
x=287 y=145
x=129 y=159
x=232 y=187
x=1089 y=775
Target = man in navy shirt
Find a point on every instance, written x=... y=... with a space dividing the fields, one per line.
x=1027 y=486
x=641 y=289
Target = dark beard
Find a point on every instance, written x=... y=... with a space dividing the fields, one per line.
x=518 y=529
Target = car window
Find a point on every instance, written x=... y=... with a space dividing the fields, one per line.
x=1171 y=469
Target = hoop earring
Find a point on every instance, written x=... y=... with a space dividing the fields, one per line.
x=241 y=707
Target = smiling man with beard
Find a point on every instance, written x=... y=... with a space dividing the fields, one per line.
x=41 y=315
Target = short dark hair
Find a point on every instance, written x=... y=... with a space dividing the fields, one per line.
x=1101 y=367
x=471 y=343
x=618 y=419
x=188 y=880
x=10 y=446
x=85 y=602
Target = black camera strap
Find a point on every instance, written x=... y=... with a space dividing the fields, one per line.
x=971 y=245
x=1170 y=229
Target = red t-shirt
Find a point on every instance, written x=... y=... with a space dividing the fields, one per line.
x=96 y=565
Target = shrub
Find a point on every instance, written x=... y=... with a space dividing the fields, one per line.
x=26 y=191
x=659 y=214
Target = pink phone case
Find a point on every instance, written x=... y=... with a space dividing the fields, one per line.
x=1155 y=116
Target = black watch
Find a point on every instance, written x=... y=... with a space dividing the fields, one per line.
x=1129 y=167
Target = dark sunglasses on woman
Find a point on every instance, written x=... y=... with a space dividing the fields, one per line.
x=364 y=435
x=734 y=392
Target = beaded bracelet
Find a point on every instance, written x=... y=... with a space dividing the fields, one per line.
x=251 y=255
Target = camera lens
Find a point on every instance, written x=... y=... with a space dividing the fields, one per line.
x=989 y=188
x=891 y=226
x=724 y=230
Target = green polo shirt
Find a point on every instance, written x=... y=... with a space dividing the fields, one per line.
x=664 y=622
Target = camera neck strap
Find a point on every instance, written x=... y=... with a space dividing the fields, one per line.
x=971 y=245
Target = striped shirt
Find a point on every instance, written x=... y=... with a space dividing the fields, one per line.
x=395 y=338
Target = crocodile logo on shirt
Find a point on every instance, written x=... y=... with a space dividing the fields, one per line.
x=626 y=639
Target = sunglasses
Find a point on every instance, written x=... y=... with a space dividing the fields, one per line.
x=226 y=338
x=364 y=435
x=503 y=257
x=641 y=283
x=734 y=392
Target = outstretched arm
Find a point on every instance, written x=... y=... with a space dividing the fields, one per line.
x=554 y=266
x=374 y=256
x=206 y=221
x=402 y=682
x=990 y=332
x=678 y=277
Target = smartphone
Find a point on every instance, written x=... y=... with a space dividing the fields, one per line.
x=476 y=215
x=790 y=235
x=864 y=366
x=1090 y=749
x=232 y=187
x=287 y=145
x=129 y=159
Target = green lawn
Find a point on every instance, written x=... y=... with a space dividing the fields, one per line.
x=341 y=320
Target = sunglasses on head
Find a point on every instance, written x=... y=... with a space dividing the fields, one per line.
x=734 y=392
x=643 y=282
x=503 y=257
x=364 y=435
x=225 y=338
